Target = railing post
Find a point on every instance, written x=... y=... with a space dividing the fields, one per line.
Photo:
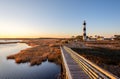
x=90 y=68
x=68 y=74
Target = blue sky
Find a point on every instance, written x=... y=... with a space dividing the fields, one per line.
x=58 y=18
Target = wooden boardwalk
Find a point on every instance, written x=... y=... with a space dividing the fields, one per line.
x=77 y=67
x=73 y=70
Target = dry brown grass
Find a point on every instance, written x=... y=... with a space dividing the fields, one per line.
x=111 y=44
x=103 y=53
x=41 y=50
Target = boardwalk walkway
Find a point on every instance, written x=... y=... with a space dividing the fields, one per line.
x=73 y=70
x=77 y=67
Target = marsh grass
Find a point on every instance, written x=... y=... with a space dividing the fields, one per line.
x=41 y=50
x=106 y=57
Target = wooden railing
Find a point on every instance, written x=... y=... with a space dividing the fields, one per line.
x=92 y=70
x=68 y=74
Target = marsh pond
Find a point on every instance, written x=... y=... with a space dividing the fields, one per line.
x=11 y=70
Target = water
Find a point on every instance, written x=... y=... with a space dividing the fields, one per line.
x=10 y=70
x=10 y=40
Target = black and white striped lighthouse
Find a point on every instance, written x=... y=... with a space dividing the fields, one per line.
x=84 y=31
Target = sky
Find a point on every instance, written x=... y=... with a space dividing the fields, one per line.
x=58 y=18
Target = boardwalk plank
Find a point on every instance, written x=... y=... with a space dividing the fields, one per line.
x=75 y=70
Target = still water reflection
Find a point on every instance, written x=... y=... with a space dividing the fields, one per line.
x=10 y=70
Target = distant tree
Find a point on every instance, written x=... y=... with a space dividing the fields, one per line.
x=90 y=37
x=87 y=37
x=96 y=36
x=72 y=38
x=117 y=37
x=79 y=37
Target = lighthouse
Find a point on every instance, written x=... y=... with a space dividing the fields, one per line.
x=84 y=31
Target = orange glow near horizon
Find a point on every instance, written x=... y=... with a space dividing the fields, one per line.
x=43 y=36
x=13 y=29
